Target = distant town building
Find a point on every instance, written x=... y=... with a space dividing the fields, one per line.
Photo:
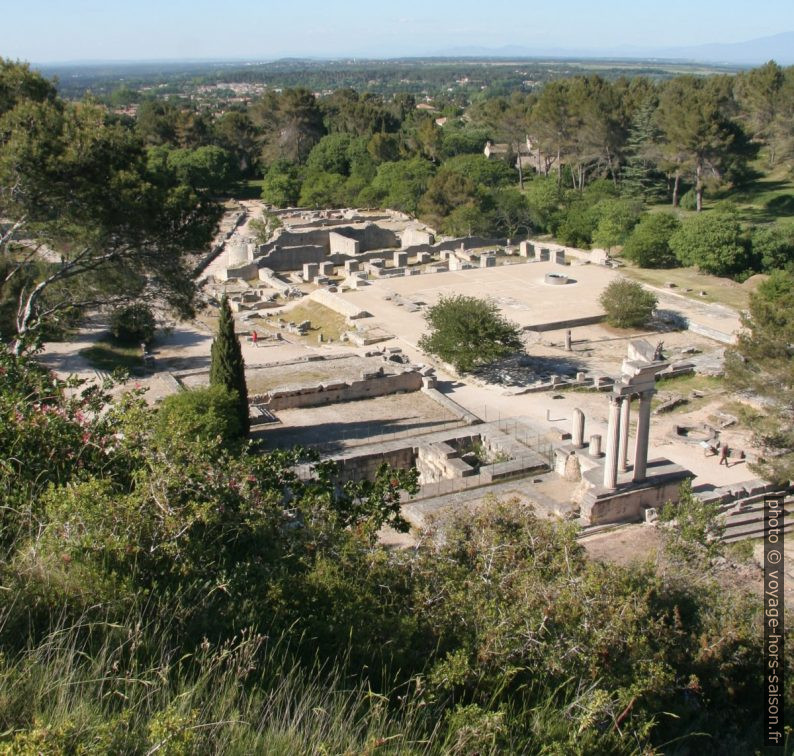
x=530 y=156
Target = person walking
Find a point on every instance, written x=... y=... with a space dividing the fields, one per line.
x=254 y=338
x=724 y=455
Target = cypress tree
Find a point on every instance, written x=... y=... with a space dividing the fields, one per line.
x=227 y=368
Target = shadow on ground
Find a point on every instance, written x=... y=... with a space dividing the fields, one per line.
x=333 y=438
x=526 y=369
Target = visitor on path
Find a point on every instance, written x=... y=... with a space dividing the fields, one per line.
x=724 y=455
x=254 y=338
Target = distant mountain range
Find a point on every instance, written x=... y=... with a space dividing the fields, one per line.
x=779 y=47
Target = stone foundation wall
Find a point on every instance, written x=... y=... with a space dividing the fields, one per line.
x=341 y=391
x=414 y=236
x=630 y=505
x=369 y=236
x=342 y=245
x=245 y=272
x=292 y=258
x=366 y=466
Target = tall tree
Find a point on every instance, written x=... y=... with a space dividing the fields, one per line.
x=640 y=176
x=227 y=368
x=553 y=124
x=762 y=362
x=766 y=107
x=291 y=123
x=699 y=139
x=509 y=120
x=80 y=203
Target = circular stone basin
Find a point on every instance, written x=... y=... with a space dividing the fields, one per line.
x=556 y=279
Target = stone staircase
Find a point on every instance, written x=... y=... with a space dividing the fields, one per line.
x=745 y=518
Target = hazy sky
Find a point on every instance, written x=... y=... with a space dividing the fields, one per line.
x=63 y=30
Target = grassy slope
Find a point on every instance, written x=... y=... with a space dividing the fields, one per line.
x=768 y=199
x=720 y=290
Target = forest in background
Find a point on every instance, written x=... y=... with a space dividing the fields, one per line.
x=609 y=151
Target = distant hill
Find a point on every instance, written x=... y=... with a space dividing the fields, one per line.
x=779 y=47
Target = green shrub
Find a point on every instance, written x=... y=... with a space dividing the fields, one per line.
x=713 y=241
x=133 y=324
x=203 y=413
x=694 y=530
x=773 y=246
x=649 y=243
x=627 y=304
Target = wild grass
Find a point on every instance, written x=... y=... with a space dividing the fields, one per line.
x=240 y=697
x=689 y=282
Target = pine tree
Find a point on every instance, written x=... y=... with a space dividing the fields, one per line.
x=227 y=368
x=640 y=176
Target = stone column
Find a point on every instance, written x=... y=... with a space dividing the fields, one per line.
x=568 y=340
x=595 y=446
x=643 y=428
x=577 y=430
x=623 y=446
x=613 y=436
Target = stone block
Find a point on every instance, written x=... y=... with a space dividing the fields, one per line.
x=310 y=271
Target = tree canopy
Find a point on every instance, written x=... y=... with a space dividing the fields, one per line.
x=649 y=243
x=79 y=197
x=762 y=363
x=468 y=332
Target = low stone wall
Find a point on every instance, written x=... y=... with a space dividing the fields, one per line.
x=341 y=391
x=220 y=244
x=585 y=255
x=452 y=406
x=468 y=242
x=337 y=304
x=267 y=276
